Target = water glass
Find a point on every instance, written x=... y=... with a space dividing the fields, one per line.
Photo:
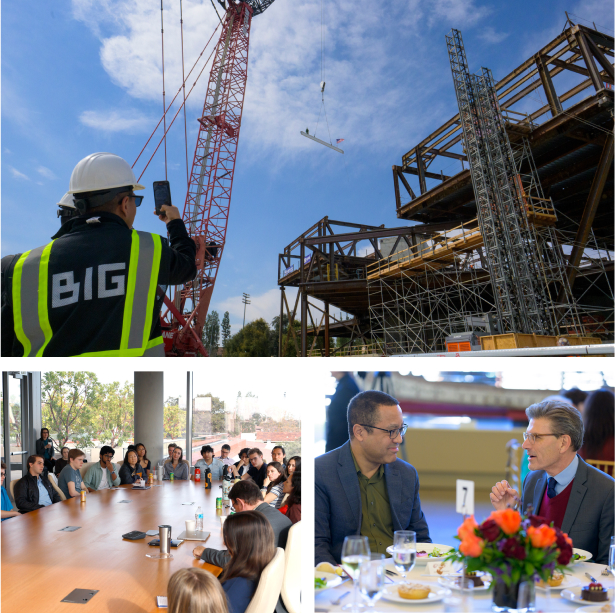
x=526 y=597
x=404 y=551
x=354 y=550
x=371 y=578
x=612 y=556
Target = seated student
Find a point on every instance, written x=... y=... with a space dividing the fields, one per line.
x=177 y=466
x=598 y=421
x=258 y=468
x=364 y=470
x=243 y=464
x=44 y=448
x=70 y=481
x=62 y=462
x=143 y=461
x=102 y=475
x=278 y=454
x=245 y=496
x=7 y=507
x=561 y=487
x=224 y=455
x=292 y=487
x=195 y=590
x=33 y=491
x=276 y=475
x=293 y=464
x=131 y=469
x=208 y=461
x=248 y=536
x=170 y=448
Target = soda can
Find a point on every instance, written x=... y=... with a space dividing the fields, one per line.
x=172 y=477
x=82 y=495
x=218 y=503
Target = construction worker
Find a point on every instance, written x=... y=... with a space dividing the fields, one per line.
x=92 y=291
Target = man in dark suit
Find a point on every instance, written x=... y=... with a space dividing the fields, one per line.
x=565 y=490
x=362 y=487
x=246 y=496
x=337 y=426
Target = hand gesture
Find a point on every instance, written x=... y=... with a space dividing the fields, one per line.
x=502 y=496
x=168 y=213
x=197 y=552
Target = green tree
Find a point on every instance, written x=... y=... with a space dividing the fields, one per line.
x=69 y=401
x=291 y=350
x=218 y=420
x=226 y=328
x=211 y=333
x=114 y=423
x=252 y=341
x=174 y=419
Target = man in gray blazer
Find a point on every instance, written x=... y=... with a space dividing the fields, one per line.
x=246 y=496
x=362 y=487
x=563 y=488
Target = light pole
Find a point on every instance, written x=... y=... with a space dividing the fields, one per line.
x=246 y=301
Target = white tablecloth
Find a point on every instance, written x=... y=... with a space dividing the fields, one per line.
x=481 y=600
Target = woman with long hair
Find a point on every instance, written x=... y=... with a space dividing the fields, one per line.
x=195 y=590
x=293 y=464
x=292 y=486
x=177 y=466
x=598 y=422
x=143 y=461
x=276 y=475
x=131 y=470
x=62 y=462
x=249 y=539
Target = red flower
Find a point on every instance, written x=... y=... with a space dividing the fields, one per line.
x=538 y=520
x=490 y=530
x=564 y=545
x=513 y=549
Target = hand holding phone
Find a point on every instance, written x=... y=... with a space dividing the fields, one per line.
x=162 y=196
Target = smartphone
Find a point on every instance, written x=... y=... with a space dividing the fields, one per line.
x=162 y=195
x=174 y=543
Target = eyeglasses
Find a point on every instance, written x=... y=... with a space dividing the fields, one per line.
x=392 y=433
x=535 y=437
x=109 y=456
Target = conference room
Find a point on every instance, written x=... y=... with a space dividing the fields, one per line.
x=134 y=492
x=473 y=488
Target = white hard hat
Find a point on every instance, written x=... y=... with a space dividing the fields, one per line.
x=100 y=171
x=67 y=201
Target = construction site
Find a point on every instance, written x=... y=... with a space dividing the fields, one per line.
x=512 y=251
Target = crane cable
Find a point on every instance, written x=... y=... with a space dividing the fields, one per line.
x=164 y=114
x=181 y=24
x=322 y=71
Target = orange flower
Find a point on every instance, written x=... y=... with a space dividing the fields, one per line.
x=507 y=519
x=568 y=539
x=541 y=537
x=471 y=546
x=467 y=528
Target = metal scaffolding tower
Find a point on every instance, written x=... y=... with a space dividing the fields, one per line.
x=519 y=291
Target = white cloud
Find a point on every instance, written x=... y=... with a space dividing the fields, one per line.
x=266 y=306
x=18 y=175
x=129 y=121
x=458 y=13
x=489 y=35
x=48 y=174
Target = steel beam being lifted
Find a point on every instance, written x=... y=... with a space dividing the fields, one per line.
x=322 y=142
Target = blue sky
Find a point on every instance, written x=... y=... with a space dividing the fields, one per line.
x=84 y=76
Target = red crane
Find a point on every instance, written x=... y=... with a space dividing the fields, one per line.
x=208 y=199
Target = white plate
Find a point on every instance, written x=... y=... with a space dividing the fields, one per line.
x=574 y=595
x=566 y=583
x=581 y=552
x=332 y=580
x=446 y=582
x=390 y=593
x=428 y=547
x=593 y=609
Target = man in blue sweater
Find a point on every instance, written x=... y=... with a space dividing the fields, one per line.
x=362 y=487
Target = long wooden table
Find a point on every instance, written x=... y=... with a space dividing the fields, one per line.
x=41 y=566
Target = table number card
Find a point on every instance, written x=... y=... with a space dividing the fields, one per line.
x=465 y=497
x=69 y=529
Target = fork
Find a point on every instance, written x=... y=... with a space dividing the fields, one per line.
x=339 y=600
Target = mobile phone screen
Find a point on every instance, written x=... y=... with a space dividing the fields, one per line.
x=162 y=194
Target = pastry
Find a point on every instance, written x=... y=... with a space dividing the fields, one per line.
x=474 y=578
x=414 y=591
x=594 y=592
x=325 y=567
x=554 y=580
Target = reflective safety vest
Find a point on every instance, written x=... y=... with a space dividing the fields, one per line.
x=31 y=287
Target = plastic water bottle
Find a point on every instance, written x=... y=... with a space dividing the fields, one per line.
x=198 y=516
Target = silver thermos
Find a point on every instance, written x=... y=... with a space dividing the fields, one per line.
x=165 y=539
x=160 y=470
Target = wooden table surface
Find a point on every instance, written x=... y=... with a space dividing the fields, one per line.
x=41 y=566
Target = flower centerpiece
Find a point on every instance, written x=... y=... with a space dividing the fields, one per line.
x=513 y=548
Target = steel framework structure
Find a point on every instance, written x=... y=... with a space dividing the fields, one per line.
x=208 y=199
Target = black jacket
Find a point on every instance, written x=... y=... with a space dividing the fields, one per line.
x=26 y=493
x=95 y=324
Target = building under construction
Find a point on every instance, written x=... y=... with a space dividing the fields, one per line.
x=519 y=241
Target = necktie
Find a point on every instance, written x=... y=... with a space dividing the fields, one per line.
x=551 y=487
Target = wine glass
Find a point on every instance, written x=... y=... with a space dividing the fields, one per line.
x=526 y=597
x=404 y=551
x=354 y=550
x=371 y=578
